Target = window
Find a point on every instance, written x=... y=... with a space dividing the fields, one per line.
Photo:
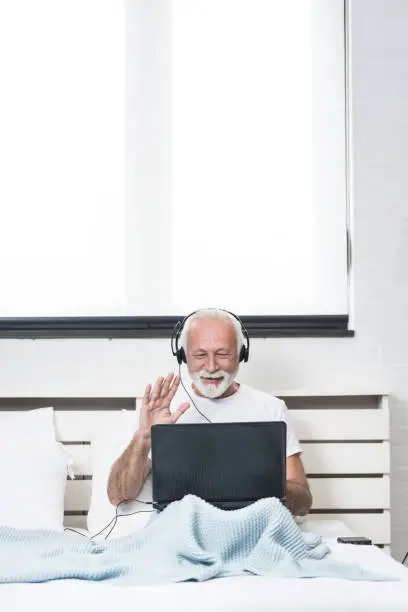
x=163 y=156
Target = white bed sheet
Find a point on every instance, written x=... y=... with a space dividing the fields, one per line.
x=240 y=594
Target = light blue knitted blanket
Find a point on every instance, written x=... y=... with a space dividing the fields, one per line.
x=190 y=540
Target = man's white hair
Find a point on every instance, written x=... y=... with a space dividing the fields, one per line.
x=212 y=313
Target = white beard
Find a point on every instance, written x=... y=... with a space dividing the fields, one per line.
x=209 y=390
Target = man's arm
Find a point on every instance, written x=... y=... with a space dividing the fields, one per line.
x=130 y=471
x=298 y=495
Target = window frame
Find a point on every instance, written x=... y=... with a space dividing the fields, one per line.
x=161 y=327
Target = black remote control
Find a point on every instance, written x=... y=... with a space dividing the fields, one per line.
x=354 y=540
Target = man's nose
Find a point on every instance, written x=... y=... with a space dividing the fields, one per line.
x=211 y=363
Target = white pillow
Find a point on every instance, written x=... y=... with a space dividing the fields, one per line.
x=35 y=425
x=33 y=471
x=106 y=447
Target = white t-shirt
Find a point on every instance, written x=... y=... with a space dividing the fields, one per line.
x=246 y=404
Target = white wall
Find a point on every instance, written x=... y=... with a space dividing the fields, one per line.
x=377 y=358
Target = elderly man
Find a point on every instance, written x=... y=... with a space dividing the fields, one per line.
x=211 y=341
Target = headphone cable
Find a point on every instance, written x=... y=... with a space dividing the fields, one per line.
x=114 y=519
x=119 y=515
x=199 y=411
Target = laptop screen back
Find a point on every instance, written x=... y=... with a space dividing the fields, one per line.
x=219 y=462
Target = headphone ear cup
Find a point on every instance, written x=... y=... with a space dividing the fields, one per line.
x=181 y=357
x=244 y=354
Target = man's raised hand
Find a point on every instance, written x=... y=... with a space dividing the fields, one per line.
x=156 y=403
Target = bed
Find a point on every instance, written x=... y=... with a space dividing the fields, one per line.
x=345 y=438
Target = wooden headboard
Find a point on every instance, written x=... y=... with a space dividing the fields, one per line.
x=345 y=439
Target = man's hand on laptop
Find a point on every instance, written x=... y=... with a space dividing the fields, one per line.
x=156 y=403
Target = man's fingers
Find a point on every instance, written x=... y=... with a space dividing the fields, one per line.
x=157 y=388
x=174 y=387
x=180 y=410
x=166 y=385
x=146 y=396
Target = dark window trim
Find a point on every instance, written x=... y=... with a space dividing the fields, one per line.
x=327 y=326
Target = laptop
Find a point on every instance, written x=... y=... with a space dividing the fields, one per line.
x=230 y=465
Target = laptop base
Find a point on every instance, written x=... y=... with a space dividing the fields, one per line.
x=222 y=505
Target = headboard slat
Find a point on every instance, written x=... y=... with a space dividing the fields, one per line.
x=328 y=493
x=353 y=424
x=326 y=458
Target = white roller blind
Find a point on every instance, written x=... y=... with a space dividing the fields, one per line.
x=173 y=155
x=62 y=157
x=242 y=119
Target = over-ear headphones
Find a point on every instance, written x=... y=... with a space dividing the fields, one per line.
x=179 y=352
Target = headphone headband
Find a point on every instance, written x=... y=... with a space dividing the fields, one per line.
x=179 y=352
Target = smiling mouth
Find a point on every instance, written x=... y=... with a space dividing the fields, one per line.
x=211 y=381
